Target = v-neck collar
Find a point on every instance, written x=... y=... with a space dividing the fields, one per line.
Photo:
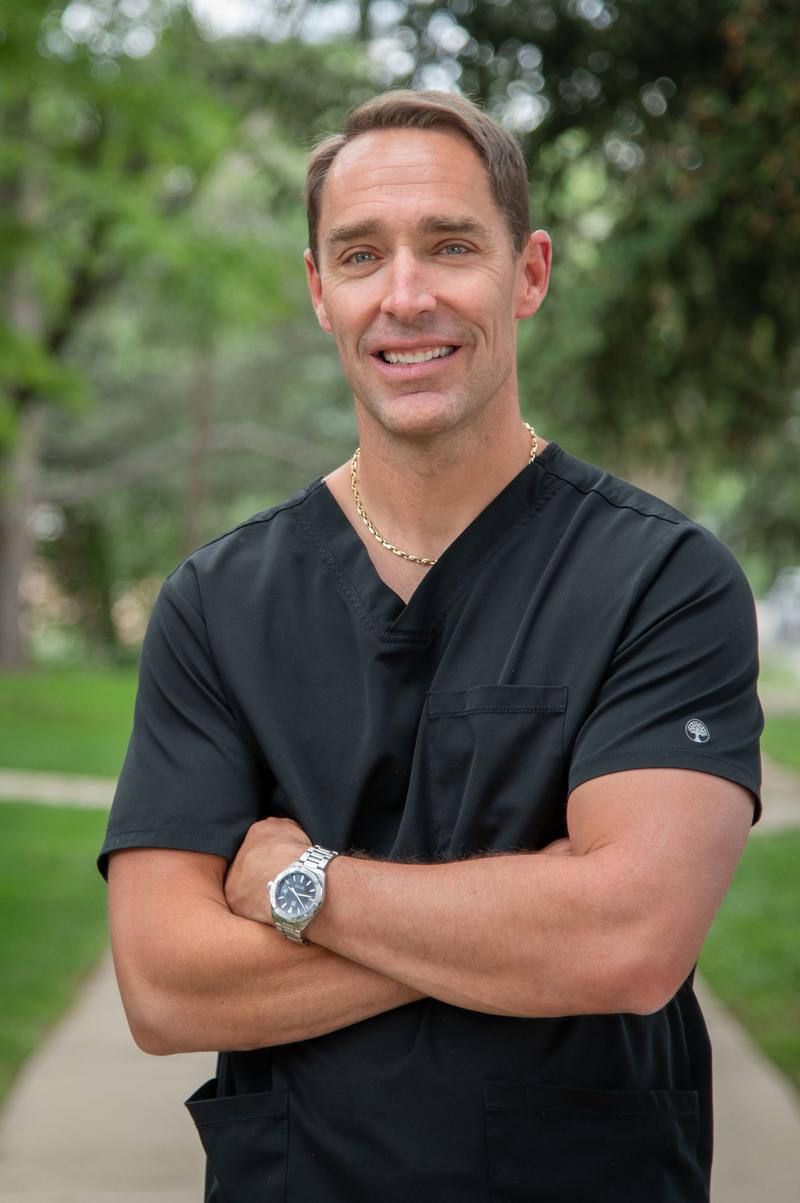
x=387 y=615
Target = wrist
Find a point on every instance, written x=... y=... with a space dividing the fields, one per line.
x=297 y=892
x=320 y=924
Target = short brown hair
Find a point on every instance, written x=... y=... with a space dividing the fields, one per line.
x=496 y=148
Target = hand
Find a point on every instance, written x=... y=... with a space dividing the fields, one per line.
x=269 y=846
x=561 y=847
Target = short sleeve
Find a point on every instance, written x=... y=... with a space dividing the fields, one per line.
x=192 y=777
x=680 y=691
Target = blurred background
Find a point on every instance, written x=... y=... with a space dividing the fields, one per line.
x=162 y=376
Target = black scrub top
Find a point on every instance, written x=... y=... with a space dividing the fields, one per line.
x=577 y=627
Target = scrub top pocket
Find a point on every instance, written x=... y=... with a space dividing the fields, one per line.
x=548 y=1144
x=245 y=1137
x=495 y=767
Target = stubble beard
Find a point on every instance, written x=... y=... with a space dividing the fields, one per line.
x=399 y=416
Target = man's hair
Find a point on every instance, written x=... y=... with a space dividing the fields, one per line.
x=496 y=148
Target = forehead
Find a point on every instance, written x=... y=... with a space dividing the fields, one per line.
x=399 y=175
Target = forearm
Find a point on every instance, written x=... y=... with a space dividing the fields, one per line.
x=611 y=919
x=196 y=977
x=526 y=934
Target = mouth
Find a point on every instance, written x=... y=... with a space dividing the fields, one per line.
x=405 y=365
x=424 y=355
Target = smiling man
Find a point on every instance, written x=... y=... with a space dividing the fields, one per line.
x=440 y=769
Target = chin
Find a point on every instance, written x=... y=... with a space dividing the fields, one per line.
x=414 y=418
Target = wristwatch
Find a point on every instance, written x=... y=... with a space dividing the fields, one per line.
x=298 y=892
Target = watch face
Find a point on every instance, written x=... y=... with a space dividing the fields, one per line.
x=296 y=895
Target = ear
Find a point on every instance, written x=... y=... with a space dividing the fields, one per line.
x=315 y=288
x=533 y=274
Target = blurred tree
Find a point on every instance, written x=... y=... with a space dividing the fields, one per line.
x=151 y=173
x=103 y=143
x=117 y=118
x=665 y=143
x=664 y=151
x=274 y=412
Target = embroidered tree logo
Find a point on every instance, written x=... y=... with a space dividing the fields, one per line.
x=697 y=731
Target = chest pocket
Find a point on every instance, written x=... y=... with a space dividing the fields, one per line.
x=494 y=768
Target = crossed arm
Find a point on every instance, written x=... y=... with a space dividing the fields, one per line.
x=611 y=920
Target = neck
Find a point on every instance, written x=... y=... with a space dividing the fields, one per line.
x=420 y=494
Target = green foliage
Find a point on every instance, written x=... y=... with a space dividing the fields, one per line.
x=750 y=957
x=71 y=721
x=52 y=919
x=23 y=359
x=97 y=165
x=162 y=171
x=151 y=177
x=153 y=231
x=670 y=336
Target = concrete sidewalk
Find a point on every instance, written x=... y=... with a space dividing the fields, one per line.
x=56 y=789
x=756 y=1116
x=94 y=1120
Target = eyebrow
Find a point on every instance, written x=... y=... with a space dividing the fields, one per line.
x=444 y=224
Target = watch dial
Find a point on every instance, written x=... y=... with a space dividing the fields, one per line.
x=296 y=894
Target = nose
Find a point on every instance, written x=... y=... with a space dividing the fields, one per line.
x=408 y=288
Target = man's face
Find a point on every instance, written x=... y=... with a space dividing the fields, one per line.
x=415 y=260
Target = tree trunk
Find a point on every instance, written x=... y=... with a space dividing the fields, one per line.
x=19 y=495
x=364 y=21
x=196 y=479
x=19 y=467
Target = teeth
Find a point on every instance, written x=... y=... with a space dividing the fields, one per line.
x=417 y=356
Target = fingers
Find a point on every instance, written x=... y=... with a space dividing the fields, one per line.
x=561 y=847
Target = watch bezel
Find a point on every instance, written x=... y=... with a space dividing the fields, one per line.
x=297 y=921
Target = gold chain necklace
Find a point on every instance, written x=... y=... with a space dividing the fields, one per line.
x=406 y=555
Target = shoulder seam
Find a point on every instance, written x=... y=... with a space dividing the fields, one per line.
x=609 y=501
x=256 y=520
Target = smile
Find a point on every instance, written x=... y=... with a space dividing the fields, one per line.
x=416 y=356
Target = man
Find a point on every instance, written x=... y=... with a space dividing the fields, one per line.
x=515 y=695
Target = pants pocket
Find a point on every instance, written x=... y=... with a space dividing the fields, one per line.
x=245 y=1137
x=548 y=1144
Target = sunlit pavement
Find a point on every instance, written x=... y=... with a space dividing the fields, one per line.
x=756 y=1117
x=56 y=789
x=94 y=1120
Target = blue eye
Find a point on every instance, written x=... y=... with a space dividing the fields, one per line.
x=457 y=247
x=359 y=257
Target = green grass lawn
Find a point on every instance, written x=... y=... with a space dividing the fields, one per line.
x=72 y=720
x=752 y=955
x=52 y=919
x=781 y=739
x=774 y=671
